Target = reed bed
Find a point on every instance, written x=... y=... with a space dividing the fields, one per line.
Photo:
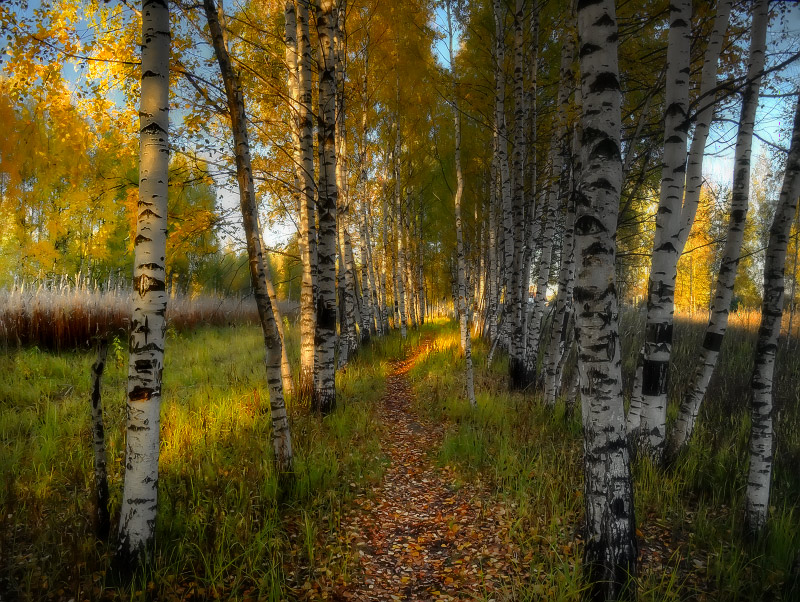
x=68 y=316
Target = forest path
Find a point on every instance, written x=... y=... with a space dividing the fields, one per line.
x=420 y=535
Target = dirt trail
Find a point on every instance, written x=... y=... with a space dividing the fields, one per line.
x=418 y=536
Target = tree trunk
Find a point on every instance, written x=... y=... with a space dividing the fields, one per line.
x=286 y=367
x=556 y=195
x=761 y=433
x=463 y=313
x=610 y=552
x=148 y=323
x=718 y=322
x=661 y=286
x=505 y=177
x=281 y=438
x=102 y=523
x=400 y=266
x=324 y=399
x=350 y=337
x=694 y=181
x=516 y=360
x=308 y=227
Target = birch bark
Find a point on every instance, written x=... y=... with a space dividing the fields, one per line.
x=281 y=437
x=308 y=227
x=661 y=286
x=761 y=408
x=463 y=313
x=718 y=322
x=610 y=552
x=324 y=398
x=148 y=323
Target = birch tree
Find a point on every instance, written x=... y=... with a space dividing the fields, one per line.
x=718 y=321
x=281 y=437
x=662 y=312
x=661 y=287
x=463 y=313
x=610 y=553
x=761 y=407
x=324 y=399
x=148 y=322
x=308 y=227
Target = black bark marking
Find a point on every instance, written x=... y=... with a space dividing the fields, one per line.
x=712 y=341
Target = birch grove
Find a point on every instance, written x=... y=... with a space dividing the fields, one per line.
x=541 y=254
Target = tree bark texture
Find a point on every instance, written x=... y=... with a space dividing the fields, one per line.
x=324 y=399
x=610 y=553
x=718 y=321
x=281 y=438
x=761 y=407
x=148 y=322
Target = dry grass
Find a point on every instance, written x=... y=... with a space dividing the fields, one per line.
x=68 y=316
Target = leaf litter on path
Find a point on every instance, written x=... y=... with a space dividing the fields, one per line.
x=418 y=536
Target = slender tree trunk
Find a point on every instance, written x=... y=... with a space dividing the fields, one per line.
x=492 y=306
x=308 y=227
x=516 y=360
x=463 y=313
x=661 y=287
x=148 y=322
x=350 y=337
x=102 y=519
x=693 y=185
x=420 y=272
x=718 y=322
x=400 y=266
x=281 y=438
x=286 y=367
x=556 y=195
x=610 y=552
x=505 y=177
x=761 y=408
x=324 y=399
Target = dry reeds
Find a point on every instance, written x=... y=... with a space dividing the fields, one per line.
x=68 y=316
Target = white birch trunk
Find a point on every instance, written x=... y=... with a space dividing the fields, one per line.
x=516 y=360
x=400 y=266
x=463 y=313
x=503 y=168
x=661 y=287
x=281 y=438
x=324 y=398
x=308 y=227
x=148 y=321
x=761 y=408
x=556 y=194
x=350 y=336
x=610 y=552
x=718 y=321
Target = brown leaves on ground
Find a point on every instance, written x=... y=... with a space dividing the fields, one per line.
x=419 y=536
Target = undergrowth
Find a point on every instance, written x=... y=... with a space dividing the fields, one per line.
x=221 y=532
x=688 y=517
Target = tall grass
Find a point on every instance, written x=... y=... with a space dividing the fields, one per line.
x=222 y=532
x=68 y=316
x=688 y=515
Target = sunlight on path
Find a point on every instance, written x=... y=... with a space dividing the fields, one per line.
x=418 y=536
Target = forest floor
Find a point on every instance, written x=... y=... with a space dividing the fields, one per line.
x=423 y=534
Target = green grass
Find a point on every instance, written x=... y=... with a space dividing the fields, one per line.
x=531 y=457
x=221 y=531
